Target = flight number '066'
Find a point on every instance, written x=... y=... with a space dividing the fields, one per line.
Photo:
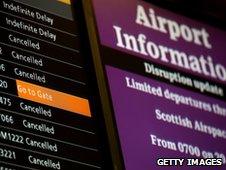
x=6 y=118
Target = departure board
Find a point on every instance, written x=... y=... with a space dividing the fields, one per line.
x=46 y=120
x=162 y=80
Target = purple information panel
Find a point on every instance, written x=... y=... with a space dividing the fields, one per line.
x=167 y=79
x=161 y=36
x=156 y=120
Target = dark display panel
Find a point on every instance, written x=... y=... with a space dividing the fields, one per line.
x=162 y=83
x=46 y=120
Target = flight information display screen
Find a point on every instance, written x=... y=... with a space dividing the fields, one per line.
x=165 y=75
x=45 y=116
